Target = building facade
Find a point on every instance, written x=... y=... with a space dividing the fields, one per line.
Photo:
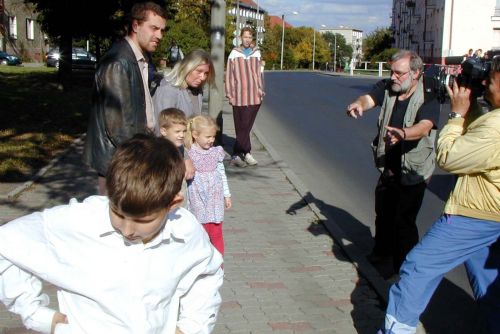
x=20 y=32
x=248 y=13
x=353 y=37
x=437 y=29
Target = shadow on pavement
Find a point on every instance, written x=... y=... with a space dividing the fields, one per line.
x=363 y=298
x=451 y=309
x=69 y=178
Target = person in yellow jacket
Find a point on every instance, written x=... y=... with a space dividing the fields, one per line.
x=469 y=230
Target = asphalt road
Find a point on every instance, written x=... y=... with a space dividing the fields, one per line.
x=303 y=116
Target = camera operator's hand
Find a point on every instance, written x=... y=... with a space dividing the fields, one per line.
x=460 y=98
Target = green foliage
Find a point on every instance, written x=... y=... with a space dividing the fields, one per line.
x=271 y=47
x=377 y=42
x=344 y=51
x=188 y=35
x=384 y=55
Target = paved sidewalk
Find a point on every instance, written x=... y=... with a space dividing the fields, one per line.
x=284 y=273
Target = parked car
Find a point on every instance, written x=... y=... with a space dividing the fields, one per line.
x=8 y=59
x=81 y=59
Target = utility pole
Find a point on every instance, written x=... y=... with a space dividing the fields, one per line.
x=217 y=39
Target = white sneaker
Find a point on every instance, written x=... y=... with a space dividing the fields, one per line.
x=237 y=161
x=250 y=160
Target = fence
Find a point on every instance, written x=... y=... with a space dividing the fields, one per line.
x=364 y=69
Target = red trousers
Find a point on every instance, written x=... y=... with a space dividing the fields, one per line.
x=214 y=231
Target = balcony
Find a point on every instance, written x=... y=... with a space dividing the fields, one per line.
x=496 y=14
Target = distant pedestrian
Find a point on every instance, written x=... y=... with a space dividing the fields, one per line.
x=175 y=54
x=469 y=54
x=478 y=54
x=121 y=103
x=129 y=262
x=404 y=154
x=208 y=192
x=244 y=90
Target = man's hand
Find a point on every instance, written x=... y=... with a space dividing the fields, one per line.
x=354 y=110
x=190 y=170
x=394 y=135
x=58 y=318
x=460 y=98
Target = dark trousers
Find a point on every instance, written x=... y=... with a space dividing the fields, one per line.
x=244 y=117
x=396 y=209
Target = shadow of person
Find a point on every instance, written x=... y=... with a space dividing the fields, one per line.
x=365 y=305
x=442 y=185
x=451 y=309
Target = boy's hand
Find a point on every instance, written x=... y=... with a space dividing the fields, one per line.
x=178 y=331
x=190 y=170
x=227 y=202
x=58 y=318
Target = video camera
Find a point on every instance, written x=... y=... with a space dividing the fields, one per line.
x=472 y=72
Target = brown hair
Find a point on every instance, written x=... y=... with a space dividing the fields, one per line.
x=144 y=175
x=196 y=124
x=172 y=116
x=249 y=29
x=140 y=12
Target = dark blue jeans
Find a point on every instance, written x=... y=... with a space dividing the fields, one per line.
x=451 y=241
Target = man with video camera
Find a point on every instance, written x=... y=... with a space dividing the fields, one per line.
x=404 y=154
x=469 y=230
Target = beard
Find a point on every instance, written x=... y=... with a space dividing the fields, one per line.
x=402 y=87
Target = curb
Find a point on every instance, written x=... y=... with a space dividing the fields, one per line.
x=13 y=194
x=364 y=267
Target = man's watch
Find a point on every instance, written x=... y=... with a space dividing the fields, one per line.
x=454 y=115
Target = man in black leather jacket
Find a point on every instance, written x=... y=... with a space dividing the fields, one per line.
x=121 y=102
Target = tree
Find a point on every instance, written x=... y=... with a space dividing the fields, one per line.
x=271 y=48
x=58 y=21
x=376 y=42
x=303 y=51
x=344 y=51
x=188 y=35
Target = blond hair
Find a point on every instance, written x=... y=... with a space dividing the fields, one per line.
x=197 y=124
x=171 y=116
x=177 y=77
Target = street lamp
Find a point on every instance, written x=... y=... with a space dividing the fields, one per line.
x=314 y=44
x=335 y=54
x=283 y=37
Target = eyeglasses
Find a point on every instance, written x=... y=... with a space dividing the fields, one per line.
x=399 y=75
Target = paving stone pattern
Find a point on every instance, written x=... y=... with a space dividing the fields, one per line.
x=283 y=271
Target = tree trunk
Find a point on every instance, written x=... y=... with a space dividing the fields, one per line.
x=65 y=61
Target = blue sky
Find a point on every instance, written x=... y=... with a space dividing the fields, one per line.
x=366 y=15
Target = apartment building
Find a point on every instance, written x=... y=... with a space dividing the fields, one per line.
x=20 y=33
x=436 y=29
x=353 y=37
x=249 y=13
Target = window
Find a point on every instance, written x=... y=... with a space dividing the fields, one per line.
x=12 y=27
x=30 y=29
